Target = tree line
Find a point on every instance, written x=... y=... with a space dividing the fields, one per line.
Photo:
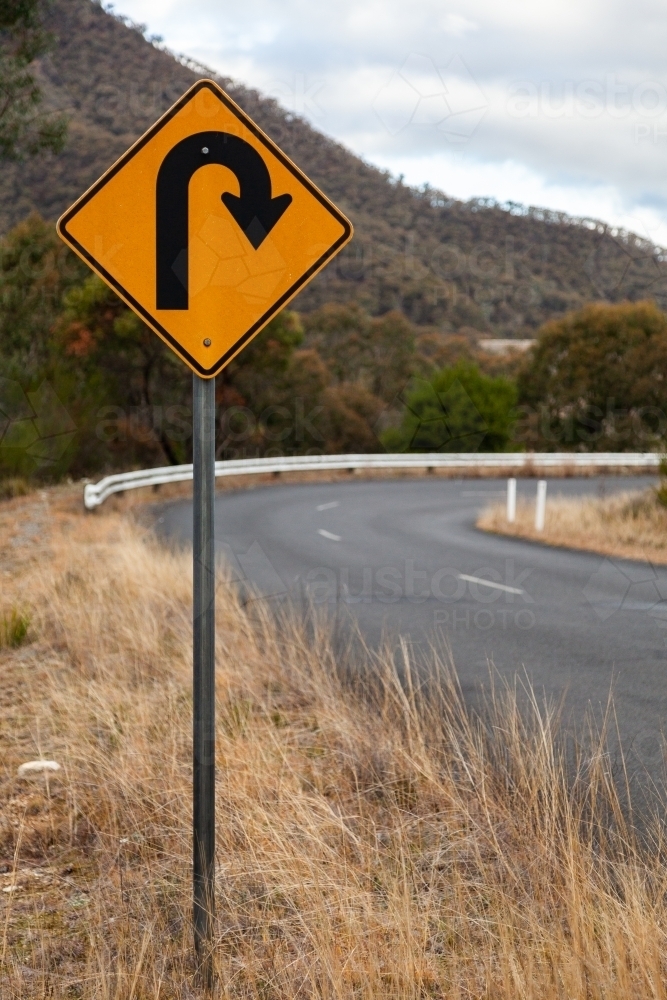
x=87 y=388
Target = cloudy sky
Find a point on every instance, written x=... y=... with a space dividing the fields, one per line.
x=559 y=103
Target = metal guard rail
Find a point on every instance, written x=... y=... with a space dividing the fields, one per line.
x=96 y=493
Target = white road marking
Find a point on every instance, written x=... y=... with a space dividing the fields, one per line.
x=490 y=583
x=327 y=534
x=327 y=506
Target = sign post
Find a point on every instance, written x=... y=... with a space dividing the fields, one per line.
x=203 y=771
x=206 y=229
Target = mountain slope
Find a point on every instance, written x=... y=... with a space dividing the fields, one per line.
x=457 y=266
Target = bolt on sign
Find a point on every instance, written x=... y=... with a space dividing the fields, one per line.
x=205 y=228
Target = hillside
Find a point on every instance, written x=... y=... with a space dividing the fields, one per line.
x=462 y=267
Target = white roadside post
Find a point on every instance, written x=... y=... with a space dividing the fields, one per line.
x=511 y=501
x=540 y=504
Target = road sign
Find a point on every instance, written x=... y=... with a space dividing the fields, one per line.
x=205 y=228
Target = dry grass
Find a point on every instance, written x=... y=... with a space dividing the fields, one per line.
x=371 y=844
x=13 y=488
x=630 y=525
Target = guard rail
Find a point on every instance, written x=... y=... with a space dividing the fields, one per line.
x=96 y=493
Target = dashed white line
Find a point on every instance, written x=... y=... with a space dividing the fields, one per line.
x=327 y=506
x=327 y=534
x=490 y=583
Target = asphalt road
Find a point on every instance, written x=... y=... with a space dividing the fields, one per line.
x=403 y=557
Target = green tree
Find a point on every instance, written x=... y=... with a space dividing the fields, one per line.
x=597 y=380
x=262 y=393
x=35 y=424
x=277 y=396
x=78 y=364
x=458 y=409
x=25 y=127
x=143 y=391
x=36 y=269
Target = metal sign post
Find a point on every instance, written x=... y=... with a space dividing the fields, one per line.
x=132 y=227
x=203 y=547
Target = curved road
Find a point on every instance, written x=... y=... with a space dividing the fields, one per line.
x=404 y=557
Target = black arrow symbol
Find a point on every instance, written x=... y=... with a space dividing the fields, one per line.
x=255 y=211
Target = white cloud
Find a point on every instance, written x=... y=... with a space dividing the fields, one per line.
x=456 y=25
x=561 y=103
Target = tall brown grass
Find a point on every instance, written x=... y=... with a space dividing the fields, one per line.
x=372 y=842
x=631 y=525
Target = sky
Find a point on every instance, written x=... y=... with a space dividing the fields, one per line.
x=558 y=103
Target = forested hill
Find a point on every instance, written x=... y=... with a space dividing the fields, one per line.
x=458 y=266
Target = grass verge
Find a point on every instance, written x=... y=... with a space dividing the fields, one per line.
x=13 y=487
x=630 y=525
x=372 y=842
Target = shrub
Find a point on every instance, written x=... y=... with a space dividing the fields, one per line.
x=14 y=628
x=458 y=409
x=13 y=487
x=595 y=380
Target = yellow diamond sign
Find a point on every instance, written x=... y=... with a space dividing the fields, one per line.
x=205 y=228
